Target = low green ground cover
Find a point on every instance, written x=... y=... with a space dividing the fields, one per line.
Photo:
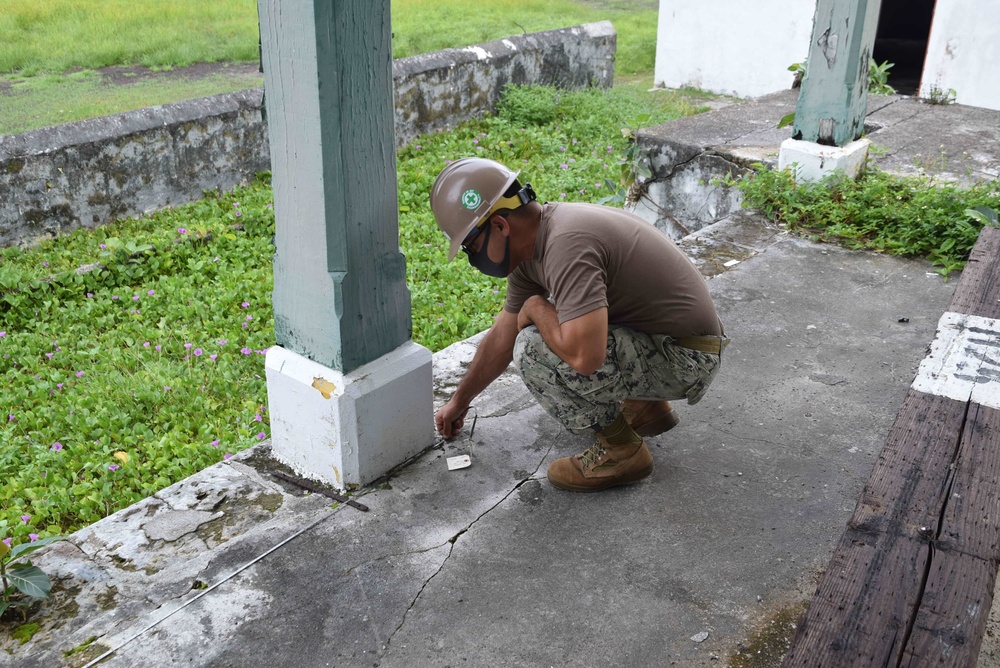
x=910 y=216
x=132 y=355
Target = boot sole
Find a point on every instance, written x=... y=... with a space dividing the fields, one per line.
x=659 y=425
x=607 y=483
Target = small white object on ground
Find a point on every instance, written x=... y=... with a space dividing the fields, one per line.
x=700 y=637
x=459 y=462
x=731 y=263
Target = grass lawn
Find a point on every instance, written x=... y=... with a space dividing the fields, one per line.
x=54 y=56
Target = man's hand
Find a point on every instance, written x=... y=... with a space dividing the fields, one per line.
x=450 y=419
x=492 y=357
x=534 y=306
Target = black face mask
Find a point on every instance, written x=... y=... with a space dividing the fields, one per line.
x=481 y=259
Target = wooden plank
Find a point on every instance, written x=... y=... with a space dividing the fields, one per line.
x=970 y=523
x=954 y=607
x=956 y=601
x=906 y=489
x=862 y=609
x=978 y=291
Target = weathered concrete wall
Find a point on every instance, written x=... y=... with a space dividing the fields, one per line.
x=85 y=174
x=91 y=172
x=964 y=53
x=438 y=89
x=732 y=47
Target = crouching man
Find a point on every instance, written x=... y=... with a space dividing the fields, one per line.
x=605 y=318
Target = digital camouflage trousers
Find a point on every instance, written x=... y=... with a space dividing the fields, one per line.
x=637 y=366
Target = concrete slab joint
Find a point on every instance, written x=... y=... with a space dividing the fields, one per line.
x=347 y=430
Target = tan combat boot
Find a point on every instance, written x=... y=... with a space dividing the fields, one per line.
x=649 y=418
x=618 y=457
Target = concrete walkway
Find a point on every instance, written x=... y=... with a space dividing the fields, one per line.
x=710 y=559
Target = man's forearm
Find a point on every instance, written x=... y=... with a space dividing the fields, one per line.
x=580 y=342
x=491 y=359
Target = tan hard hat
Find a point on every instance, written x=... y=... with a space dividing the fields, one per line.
x=466 y=192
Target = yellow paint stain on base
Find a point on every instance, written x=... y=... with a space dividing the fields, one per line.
x=336 y=474
x=325 y=387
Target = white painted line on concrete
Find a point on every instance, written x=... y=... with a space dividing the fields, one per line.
x=964 y=361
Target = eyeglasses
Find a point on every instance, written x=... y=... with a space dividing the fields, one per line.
x=470 y=240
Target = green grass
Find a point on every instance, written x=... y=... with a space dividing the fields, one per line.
x=51 y=99
x=43 y=46
x=57 y=35
x=145 y=366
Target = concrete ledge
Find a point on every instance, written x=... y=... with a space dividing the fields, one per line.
x=86 y=174
x=690 y=156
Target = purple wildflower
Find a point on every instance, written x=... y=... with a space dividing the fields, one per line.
x=113 y=467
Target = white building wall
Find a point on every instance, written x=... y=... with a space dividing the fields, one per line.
x=732 y=47
x=963 y=53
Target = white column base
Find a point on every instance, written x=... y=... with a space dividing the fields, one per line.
x=349 y=429
x=814 y=161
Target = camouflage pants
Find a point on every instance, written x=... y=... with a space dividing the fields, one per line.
x=637 y=366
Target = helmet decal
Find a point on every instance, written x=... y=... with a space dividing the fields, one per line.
x=471 y=199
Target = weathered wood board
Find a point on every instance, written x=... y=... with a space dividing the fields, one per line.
x=911 y=581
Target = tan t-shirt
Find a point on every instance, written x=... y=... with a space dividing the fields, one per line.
x=587 y=256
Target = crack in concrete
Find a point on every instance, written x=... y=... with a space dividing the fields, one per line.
x=642 y=189
x=452 y=541
x=673 y=169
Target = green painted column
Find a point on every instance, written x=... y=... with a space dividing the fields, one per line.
x=834 y=97
x=340 y=295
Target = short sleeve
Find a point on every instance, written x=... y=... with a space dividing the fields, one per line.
x=577 y=275
x=519 y=287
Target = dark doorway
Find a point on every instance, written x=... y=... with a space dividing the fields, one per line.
x=904 y=27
